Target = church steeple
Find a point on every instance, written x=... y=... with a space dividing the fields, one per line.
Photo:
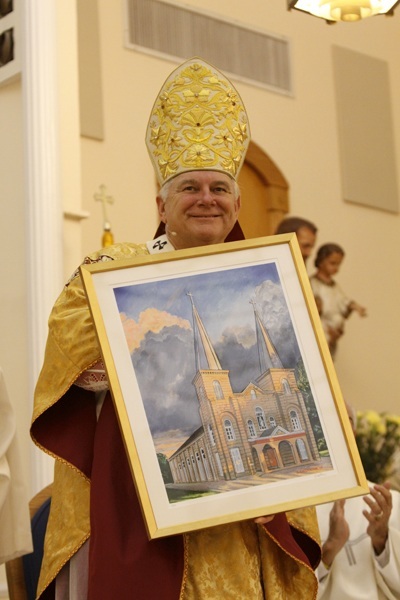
x=267 y=353
x=202 y=343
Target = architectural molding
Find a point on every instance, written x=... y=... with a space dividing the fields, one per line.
x=76 y=215
x=43 y=199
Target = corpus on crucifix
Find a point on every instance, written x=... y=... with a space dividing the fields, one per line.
x=101 y=196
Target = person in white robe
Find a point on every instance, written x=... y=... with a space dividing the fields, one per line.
x=360 y=545
x=15 y=527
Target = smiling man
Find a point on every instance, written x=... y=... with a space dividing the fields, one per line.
x=198 y=208
x=96 y=540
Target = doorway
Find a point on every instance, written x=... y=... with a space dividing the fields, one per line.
x=264 y=193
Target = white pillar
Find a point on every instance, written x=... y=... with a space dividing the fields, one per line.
x=43 y=199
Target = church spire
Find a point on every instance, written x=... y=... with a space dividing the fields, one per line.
x=202 y=343
x=268 y=356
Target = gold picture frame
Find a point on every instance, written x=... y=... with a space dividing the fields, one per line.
x=223 y=384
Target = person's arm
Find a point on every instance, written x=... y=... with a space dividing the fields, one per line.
x=362 y=311
x=385 y=538
x=335 y=533
x=379 y=503
x=338 y=534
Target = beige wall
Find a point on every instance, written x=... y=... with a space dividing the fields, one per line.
x=300 y=134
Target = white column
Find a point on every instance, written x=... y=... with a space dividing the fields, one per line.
x=43 y=199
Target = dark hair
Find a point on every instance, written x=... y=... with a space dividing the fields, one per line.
x=293 y=224
x=325 y=251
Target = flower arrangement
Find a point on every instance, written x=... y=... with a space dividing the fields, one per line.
x=378 y=440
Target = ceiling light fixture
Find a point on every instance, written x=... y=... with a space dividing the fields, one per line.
x=344 y=10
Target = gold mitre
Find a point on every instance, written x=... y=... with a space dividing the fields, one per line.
x=198 y=122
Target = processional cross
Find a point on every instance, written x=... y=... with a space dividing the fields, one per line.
x=108 y=237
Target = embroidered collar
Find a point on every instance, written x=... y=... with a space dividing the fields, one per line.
x=160 y=244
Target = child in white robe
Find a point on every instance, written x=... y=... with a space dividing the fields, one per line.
x=333 y=304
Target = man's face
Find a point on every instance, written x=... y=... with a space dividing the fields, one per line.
x=201 y=209
x=306 y=239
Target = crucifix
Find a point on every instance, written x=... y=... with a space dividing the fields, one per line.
x=102 y=197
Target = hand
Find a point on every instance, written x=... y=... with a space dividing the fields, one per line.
x=264 y=520
x=380 y=508
x=362 y=311
x=339 y=533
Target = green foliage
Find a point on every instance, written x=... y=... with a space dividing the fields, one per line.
x=179 y=495
x=165 y=468
x=378 y=438
x=304 y=387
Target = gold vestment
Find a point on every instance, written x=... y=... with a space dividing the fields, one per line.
x=239 y=560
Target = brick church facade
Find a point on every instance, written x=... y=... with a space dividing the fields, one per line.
x=263 y=429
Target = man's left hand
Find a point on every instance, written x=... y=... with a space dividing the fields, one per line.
x=380 y=508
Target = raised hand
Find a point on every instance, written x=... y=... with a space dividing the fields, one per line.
x=380 y=508
x=339 y=532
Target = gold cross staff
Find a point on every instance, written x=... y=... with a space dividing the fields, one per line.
x=108 y=237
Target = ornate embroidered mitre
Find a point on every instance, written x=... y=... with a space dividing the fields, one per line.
x=198 y=122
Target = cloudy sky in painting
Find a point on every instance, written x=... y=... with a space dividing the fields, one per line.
x=158 y=325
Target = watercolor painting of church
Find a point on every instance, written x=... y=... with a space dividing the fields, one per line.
x=264 y=428
x=226 y=410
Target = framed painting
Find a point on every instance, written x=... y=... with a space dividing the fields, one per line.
x=224 y=387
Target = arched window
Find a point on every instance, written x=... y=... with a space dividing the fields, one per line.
x=260 y=418
x=184 y=472
x=211 y=435
x=253 y=395
x=230 y=434
x=200 y=467
x=205 y=463
x=294 y=419
x=286 y=386
x=251 y=428
x=272 y=422
x=218 y=390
